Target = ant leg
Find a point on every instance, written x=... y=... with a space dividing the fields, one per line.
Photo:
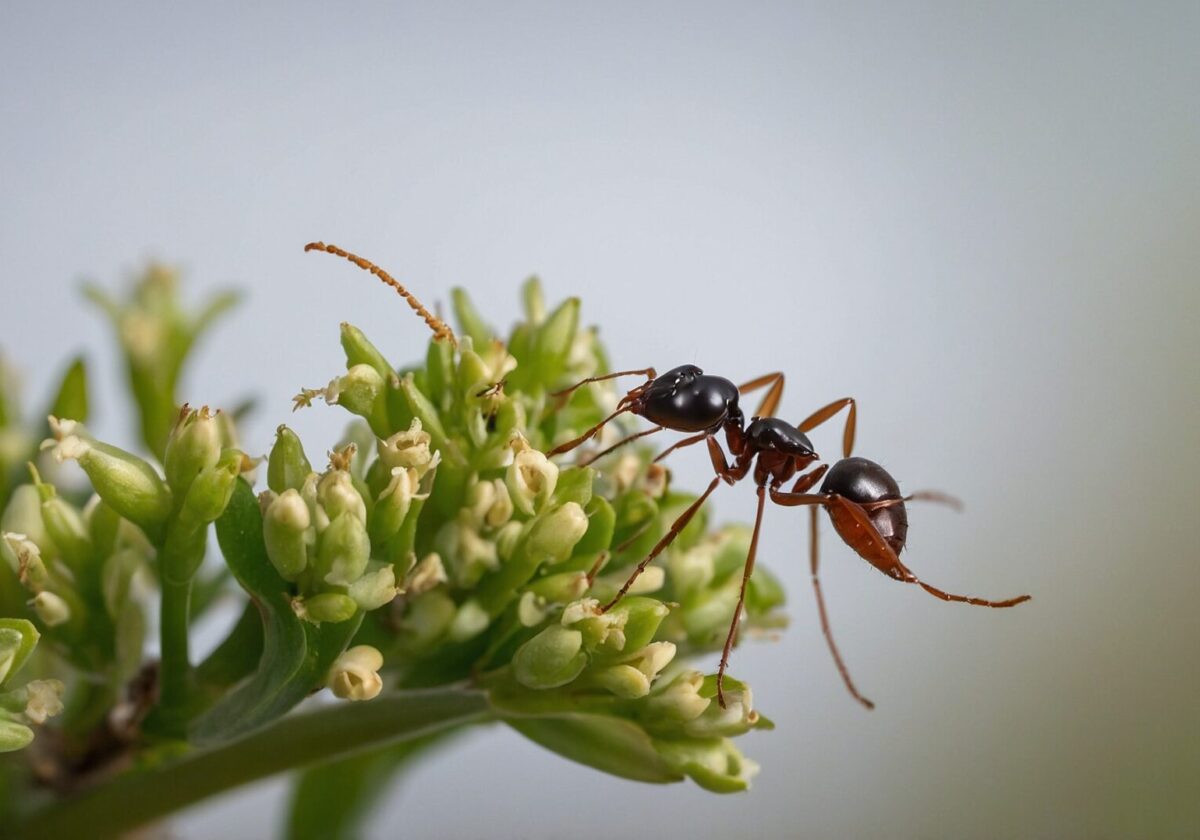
x=771 y=401
x=822 y=414
x=968 y=599
x=619 y=444
x=668 y=538
x=807 y=480
x=837 y=657
x=737 y=611
x=687 y=441
x=571 y=444
x=921 y=496
x=647 y=372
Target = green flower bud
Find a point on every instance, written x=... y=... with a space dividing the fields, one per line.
x=508 y=538
x=470 y=620
x=713 y=763
x=693 y=570
x=124 y=481
x=43 y=700
x=286 y=533
x=632 y=679
x=355 y=674
x=597 y=628
x=552 y=658
x=359 y=391
x=287 y=466
x=50 y=608
x=13 y=736
x=532 y=609
x=25 y=558
x=67 y=529
x=429 y=617
x=24 y=516
x=680 y=700
x=393 y=504
x=561 y=588
x=193 y=446
x=210 y=491
x=737 y=718
x=639 y=618
x=469 y=554
x=337 y=494
x=408 y=450
x=328 y=606
x=531 y=477
x=343 y=551
x=556 y=534
x=116 y=578
x=374 y=589
x=360 y=351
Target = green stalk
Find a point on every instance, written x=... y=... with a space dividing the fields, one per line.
x=175 y=667
x=137 y=798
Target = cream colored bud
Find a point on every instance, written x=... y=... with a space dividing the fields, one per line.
x=43 y=700
x=598 y=628
x=427 y=574
x=408 y=449
x=29 y=568
x=531 y=478
x=50 y=608
x=337 y=494
x=557 y=533
x=355 y=674
x=681 y=699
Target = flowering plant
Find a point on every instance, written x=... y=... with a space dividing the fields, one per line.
x=437 y=571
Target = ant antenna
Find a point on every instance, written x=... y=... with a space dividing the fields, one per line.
x=440 y=329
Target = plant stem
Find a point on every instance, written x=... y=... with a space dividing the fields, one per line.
x=137 y=798
x=173 y=636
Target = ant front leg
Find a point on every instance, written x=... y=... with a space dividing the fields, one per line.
x=649 y=373
x=822 y=414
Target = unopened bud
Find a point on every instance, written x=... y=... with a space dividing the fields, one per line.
x=736 y=718
x=210 y=492
x=337 y=494
x=193 y=446
x=470 y=620
x=287 y=466
x=374 y=589
x=50 y=608
x=556 y=534
x=552 y=658
x=328 y=606
x=427 y=574
x=680 y=700
x=640 y=618
x=13 y=736
x=358 y=391
x=27 y=559
x=531 y=477
x=343 y=551
x=393 y=504
x=285 y=531
x=355 y=674
x=632 y=679
x=598 y=628
x=713 y=763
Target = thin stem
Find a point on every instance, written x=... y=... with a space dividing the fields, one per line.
x=137 y=798
x=175 y=669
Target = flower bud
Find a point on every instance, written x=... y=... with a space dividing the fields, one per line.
x=67 y=529
x=556 y=534
x=713 y=763
x=287 y=466
x=598 y=628
x=286 y=533
x=210 y=492
x=50 y=608
x=43 y=700
x=531 y=477
x=337 y=494
x=355 y=674
x=469 y=555
x=639 y=618
x=24 y=516
x=343 y=551
x=428 y=617
x=18 y=638
x=193 y=446
x=374 y=589
x=360 y=351
x=26 y=560
x=328 y=606
x=680 y=700
x=736 y=718
x=470 y=620
x=501 y=509
x=13 y=736
x=124 y=481
x=358 y=391
x=632 y=679
x=393 y=504
x=561 y=588
x=407 y=449
x=427 y=574
x=552 y=658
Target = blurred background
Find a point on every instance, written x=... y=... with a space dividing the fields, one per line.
x=983 y=221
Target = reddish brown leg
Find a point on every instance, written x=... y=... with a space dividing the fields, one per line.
x=678 y=525
x=571 y=444
x=774 y=394
x=619 y=444
x=968 y=599
x=837 y=657
x=737 y=611
x=922 y=496
x=687 y=441
x=822 y=414
x=649 y=373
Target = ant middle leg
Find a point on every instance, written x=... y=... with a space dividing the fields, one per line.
x=747 y=571
x=774 y=393
x=619 y=444
x=822 y=414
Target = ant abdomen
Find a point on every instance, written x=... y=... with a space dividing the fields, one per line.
x=864 y=482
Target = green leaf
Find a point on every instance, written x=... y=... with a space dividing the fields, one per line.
x=296 y=655
x=71 y=400
x=609 y=744
x=24 y=646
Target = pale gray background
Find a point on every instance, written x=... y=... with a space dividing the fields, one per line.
x=982 y=221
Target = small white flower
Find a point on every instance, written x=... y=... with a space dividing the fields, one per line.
x=355 y=674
